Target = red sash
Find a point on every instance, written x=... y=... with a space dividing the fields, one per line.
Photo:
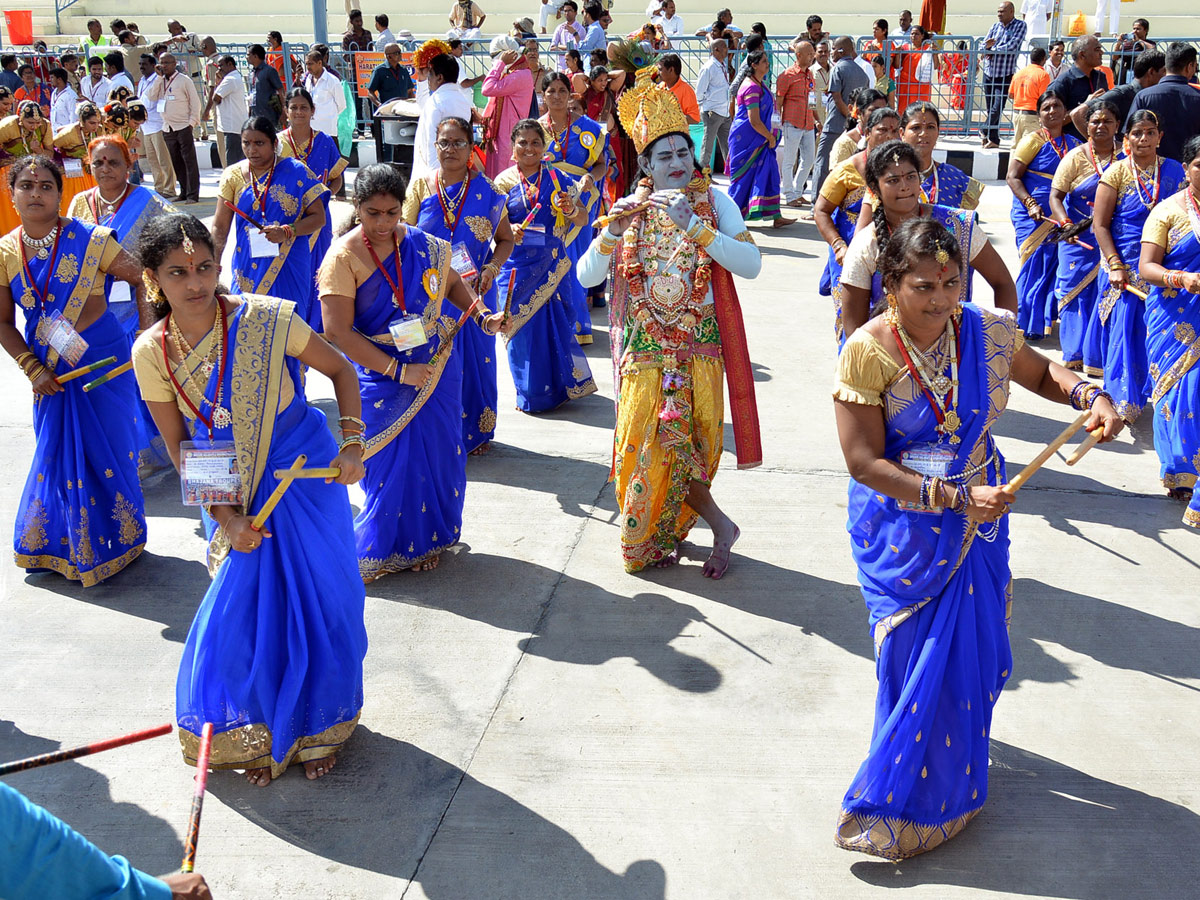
x=739 y=374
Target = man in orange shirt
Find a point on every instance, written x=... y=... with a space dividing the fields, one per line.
x=1027 y=85
x=670 y=68
x=794 y=92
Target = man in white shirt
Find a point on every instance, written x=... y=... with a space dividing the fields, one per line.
x=445 y=101
x=548 y=7
x=175 y=95
x=569 y=34
x=671 y=24
x=114 y=70
x=383 y=34
x=95 y=87
x=62 y=99
x=154 y=145
x=712 y=95
x=1036 y=14
x=327 y=94
x=228 y=96
x=904 y=29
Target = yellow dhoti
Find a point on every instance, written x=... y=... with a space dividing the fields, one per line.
x=653 y=470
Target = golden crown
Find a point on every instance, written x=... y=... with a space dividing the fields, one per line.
x=649 y=110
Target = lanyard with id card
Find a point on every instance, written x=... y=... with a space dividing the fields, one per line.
x=927 y=460
x=461 y=262
x=62 y=336
x=208 y=473
x=260 y=246
x=408 y=331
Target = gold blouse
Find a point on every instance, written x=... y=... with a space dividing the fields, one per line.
x=843 y=182
x=1169 y=222
x=155 y=384
x=1075 y=168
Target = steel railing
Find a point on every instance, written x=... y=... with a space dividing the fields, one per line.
x=957 y=88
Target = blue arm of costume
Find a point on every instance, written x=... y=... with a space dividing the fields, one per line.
x=43 y=857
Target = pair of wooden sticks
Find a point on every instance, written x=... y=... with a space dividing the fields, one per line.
x=92 y=367
x=1038 y=461
x=206 y=736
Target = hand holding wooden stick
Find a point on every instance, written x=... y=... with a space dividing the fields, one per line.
x=603 y=221
x=1023 y=476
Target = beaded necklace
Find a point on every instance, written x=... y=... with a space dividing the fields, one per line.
x=260 y=195
x=221 y=417
x=1147 y=194
x=452 y=209
x=1059 y=151
x=1090 y=152
x=931 y=379
x=533 y=190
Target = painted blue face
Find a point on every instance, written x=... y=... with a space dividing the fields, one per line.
x=670 y=163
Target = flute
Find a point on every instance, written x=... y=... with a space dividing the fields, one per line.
x=611 y=217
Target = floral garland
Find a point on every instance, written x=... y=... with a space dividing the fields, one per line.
x=674 y=334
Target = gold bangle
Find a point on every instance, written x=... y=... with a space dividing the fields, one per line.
x=389 y=370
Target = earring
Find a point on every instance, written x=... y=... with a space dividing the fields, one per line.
x=153 y=292
x=892 y=315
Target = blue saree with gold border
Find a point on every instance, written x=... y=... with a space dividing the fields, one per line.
x=938 y=590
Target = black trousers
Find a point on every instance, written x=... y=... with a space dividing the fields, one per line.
x=182 y=147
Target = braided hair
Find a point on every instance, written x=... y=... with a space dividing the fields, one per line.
x=882 y=158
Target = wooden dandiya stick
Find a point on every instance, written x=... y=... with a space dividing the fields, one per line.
x=1084 y=244
x=1137 y=292
x=193 y=832
x=605 y=220
x=84 y=370
x=528 y=219
x=278 y=493
x=55 y=756
x=1091 y=441
x=512 y=282
x=249 y=218
x=109 y=376
x=1024 y=475
x=328 y=472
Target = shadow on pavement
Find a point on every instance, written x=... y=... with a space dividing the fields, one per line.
x=1049 y=830
x=80 y=797
x=568 y=620
x=1116 y=636
x=573 y=480
x=488 y=844
x=162 y=589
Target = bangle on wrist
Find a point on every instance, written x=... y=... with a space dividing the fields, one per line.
x=389 y=370
x=351 y=441
x=403 y=372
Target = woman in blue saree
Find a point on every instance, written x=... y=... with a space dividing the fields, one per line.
x=894 y=177
x=280 y=206
x=391 y=300
x=1030 y=171
x=752 y=167
x=1170 y=264
x=917 y=393
x=81 y=512
x=548 y=368
x=274 y=656
x=1072 y=193
x=466 y=211
x=1128 y=192
x=320 y=152
x=577 y=146
x=125 y=208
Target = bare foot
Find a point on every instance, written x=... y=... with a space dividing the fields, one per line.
x=482 y=449
x=781 y=222
x=260 y=777
x=1182 y=494
x=717 y=563
x=318 y=768
x=427 y=565
x=669 y=560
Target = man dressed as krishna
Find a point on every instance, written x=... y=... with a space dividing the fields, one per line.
x=677 y=335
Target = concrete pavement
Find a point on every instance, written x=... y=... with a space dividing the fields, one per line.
x=539 y=724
